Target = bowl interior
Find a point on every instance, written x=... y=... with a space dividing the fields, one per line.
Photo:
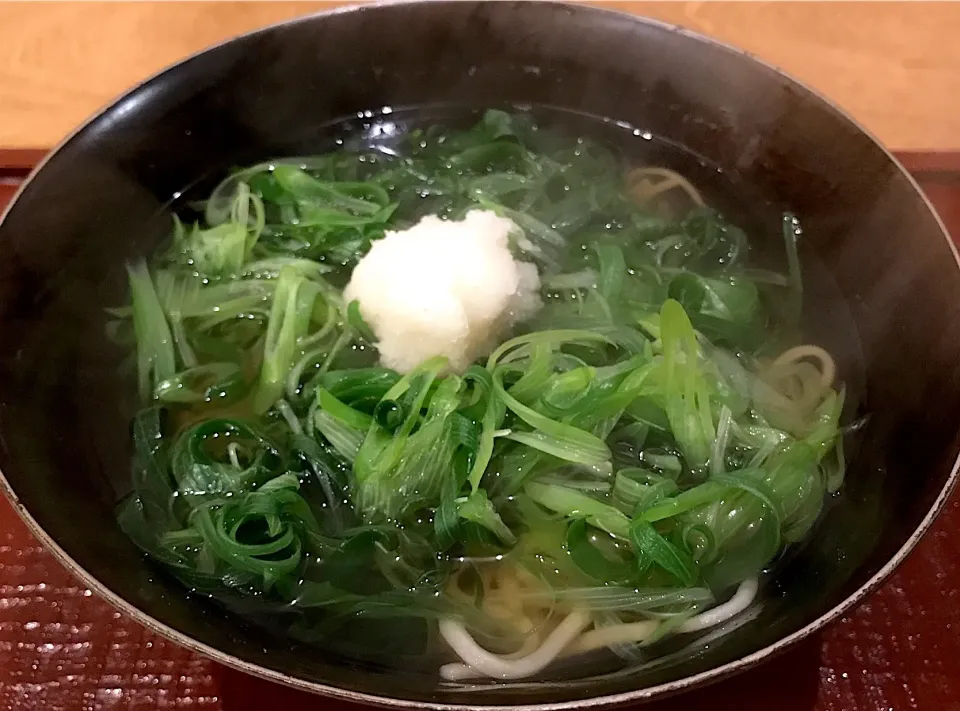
x=888 y=308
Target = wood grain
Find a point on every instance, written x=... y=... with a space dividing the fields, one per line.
x=895 y=66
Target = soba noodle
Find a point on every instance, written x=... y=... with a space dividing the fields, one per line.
x=619 y=464
x=649 y=183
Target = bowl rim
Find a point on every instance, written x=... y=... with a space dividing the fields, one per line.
x=649 y=693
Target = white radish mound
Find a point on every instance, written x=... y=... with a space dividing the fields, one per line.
x=443 y=288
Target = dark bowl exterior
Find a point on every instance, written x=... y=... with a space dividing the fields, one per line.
x=96 y=200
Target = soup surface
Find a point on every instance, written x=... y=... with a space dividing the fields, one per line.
x=480 y=396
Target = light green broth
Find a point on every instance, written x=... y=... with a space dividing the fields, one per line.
x=635 y=454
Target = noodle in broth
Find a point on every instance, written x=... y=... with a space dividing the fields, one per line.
x=621 y=470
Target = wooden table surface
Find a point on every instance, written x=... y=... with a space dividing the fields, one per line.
x=895 y=66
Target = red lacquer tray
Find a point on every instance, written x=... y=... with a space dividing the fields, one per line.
x=62 y=648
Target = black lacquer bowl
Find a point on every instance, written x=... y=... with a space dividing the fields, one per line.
x=102 y=197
